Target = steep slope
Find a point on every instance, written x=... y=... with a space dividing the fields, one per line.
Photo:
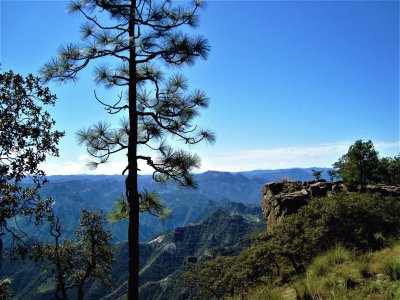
x=224 y=232
x=339 y=274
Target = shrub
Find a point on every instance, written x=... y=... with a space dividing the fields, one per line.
x=392 y=268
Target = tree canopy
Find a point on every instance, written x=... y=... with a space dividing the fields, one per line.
x=359 y=165
x=389 y=170
x=27 y=137
x=76 y=263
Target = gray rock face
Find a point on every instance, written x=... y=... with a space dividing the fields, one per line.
x=286 y=197
x=282 y=198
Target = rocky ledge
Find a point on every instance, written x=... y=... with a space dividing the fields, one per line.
x=286 y=197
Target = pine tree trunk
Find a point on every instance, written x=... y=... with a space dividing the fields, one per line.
x=131 y=181
x=80 y=292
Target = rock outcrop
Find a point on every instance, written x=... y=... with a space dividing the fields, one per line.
x=282 y=198
x=286 y=197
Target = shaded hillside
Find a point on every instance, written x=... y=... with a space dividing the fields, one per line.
x=222 y=233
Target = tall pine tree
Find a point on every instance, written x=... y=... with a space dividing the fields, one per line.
x=143 y=38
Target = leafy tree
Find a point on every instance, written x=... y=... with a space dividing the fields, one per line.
x=332 y=174
x=27 y=137
x=359 y=166
x=389 y=170
x=142 y=38
x=208 y=277
x=76 y=263
x=317 y=174
x=394 y=170
x=4 y=288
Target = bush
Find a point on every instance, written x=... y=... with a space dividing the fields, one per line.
x=392 y=268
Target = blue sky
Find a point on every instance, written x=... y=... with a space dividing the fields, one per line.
x=291 y=83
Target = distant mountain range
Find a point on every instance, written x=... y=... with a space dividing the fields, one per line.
x=71 y=193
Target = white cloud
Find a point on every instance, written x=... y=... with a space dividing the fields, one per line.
x=61 y=166
x=287 y=157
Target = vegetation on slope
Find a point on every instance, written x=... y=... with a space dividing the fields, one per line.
x=341 y=274
x=358 y=222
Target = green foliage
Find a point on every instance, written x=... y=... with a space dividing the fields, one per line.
x=356 y=221
x=336 y=270
x=332 y=174
x=389 y=170
x=26 y=139
x=340 y=274
x=359 y=165
x=77 y=263
x=317 y=174
x=211 y=278
x=5 y=288
x=392 y=268
x=149 y=202
x=352 y=277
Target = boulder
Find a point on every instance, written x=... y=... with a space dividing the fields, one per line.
x=281 y=199
x=338 y=187
x=320 y=188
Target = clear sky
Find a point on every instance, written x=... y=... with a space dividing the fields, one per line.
x=291 y=83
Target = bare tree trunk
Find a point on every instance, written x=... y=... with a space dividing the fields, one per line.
x=131 y=181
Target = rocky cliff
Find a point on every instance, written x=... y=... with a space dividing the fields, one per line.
x=286 y=197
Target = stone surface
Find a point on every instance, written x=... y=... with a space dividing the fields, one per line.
x=281 y=199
